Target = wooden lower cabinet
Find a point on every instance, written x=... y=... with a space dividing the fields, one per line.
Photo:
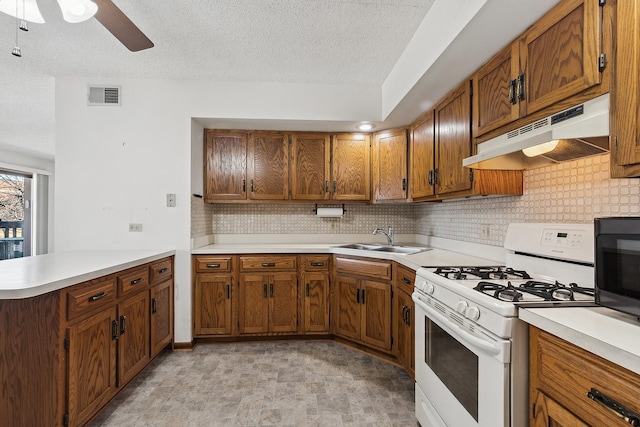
x=268 y=303
x=561 y=376
x=212 y=311
x=92 y=365
x=316 y=302
x=403 y=333
x=363 y=311
x=161 y=316
x=133 y=339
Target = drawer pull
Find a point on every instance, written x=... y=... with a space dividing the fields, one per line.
x=317 y=264
x=407 y=281
x=213 y=265
x=97 y=296
x=163 y=270
x=268 y=264
x=154 y=306
x=614 y=407
x=136 y=281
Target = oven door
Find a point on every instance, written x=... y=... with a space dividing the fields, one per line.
x=462 y=371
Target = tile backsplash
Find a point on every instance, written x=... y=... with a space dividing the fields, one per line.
x=575 y=191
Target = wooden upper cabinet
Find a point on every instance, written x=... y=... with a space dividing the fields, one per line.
x=422 y=149
x=494 y=91
x=389 y=165
x=225 y=155
x=351 y=167
x=556 y=58
x=559 y=54
x=310 y=160
x=268 y=166
x=453 y=141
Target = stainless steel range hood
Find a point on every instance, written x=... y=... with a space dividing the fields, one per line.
x=577 y=132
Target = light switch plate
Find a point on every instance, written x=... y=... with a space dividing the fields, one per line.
x=135 y=227
x=171 y=200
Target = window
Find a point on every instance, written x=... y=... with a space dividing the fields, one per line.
x=15 y=215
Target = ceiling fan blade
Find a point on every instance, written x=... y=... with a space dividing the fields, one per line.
x=121 y=26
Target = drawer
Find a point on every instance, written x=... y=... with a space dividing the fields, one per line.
x=267 y=263
x=404 y=278
x=566 y=373
x=160 y=271
x=377 y=269
x=90 y=296
x=213 y=264
x=133 y=280
x=315 y=262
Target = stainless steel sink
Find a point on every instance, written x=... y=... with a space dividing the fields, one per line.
x=385 y=248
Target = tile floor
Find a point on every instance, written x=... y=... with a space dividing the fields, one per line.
x=301 y=383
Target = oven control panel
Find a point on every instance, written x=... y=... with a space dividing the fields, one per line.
x=572 y=242
x=559 y=238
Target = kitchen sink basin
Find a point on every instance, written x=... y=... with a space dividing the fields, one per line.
x=385 y=248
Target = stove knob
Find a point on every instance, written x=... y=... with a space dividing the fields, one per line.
x=461 y=307
x=428 y=288
x=473 y=313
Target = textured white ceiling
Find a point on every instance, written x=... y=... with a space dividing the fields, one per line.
x=351 y=42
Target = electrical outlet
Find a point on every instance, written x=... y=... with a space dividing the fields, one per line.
x=486 y=230
x=171 y=200
x=135 y=227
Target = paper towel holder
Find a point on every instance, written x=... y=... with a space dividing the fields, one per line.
x=315 y=210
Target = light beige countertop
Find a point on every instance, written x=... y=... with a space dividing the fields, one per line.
x=599 y=330
x=36 y=275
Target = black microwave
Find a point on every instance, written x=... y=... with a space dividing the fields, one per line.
x=617 y=263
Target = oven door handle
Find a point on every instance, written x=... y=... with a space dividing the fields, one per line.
x=456 y=331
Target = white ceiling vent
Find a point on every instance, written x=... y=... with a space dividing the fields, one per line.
x=103 y=95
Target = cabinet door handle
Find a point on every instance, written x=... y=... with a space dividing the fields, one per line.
x=244 y=185
x=362 y=296
x=271 y=290
x=357 y=296
x=268 y=264
x=404 y=184
x=264 y=290
x=114 y=329
x=163 y=270
x=408 y=316
x=97 y=296
x=435 y=176
x=307 y=289
x=521 y=87
x=252 y=189
x=407 y=281
x=512 y=92
x=335 y=186
x=154 y=305
x=228 y=291
x=404 y=314
x=326 y=186
x=136 y=281
x=431 y=177
x=615 y=407
x=123 y=324
x=317 y=264
x=213 y=265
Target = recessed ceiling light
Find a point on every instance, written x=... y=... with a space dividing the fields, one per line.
x=365 y=126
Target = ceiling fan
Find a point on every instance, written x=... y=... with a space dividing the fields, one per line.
x=105 y=12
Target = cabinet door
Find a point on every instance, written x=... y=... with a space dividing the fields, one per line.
x=453 y=141
x=133 y=344
x=422 y=156
x=316 y=301
x=559 y=54
x=283 y=302
x=310 y=160
x=213 y=304
x=375 y=298
x=548 y=413
x=389 y=163
x=92 y=365
x=403 y=329
x=351 y=168
x=268 y=169
x=347 y=307
x=494 y=96
x=161 y=316
x=253 y=302
x=225 y=156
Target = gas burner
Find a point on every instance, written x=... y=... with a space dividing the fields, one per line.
x=535 y=290
x=482 y=273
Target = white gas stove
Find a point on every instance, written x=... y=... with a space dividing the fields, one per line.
x=472 y=312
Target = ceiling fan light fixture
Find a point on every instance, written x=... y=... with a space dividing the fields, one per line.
x=74 y=11
x=26 y=10
x=16 y=52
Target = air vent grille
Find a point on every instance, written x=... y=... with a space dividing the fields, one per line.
x=541 y=123
x=440 y=308
x=525 y=129
x=456 y=318
x=513 y=134
x=103 y=95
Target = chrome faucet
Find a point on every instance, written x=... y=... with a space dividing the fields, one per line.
x=388 y=234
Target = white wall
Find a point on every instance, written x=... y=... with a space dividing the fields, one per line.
x=115 y=165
